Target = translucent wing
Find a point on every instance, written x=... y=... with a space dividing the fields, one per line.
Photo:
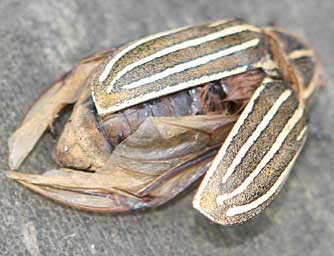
x=157 y=162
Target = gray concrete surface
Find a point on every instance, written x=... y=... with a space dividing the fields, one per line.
x=39 y=40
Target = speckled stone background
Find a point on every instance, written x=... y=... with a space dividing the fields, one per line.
x=40 y=40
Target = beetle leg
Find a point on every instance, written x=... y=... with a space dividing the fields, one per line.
x=257 y=156
x=41 y=115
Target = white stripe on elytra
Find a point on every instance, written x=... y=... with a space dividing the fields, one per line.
x=130 y=47
x=309 y=90
x=254 y=204
x=255 y=135
x=300 y=53
x=191 y=64
x=306 y=93
x=218 y=23
x=265 y=160
x=222 y=151
x=185 y=44
x=302 y=133
x=169 y=90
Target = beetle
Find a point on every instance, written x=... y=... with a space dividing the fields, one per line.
x=225 y=100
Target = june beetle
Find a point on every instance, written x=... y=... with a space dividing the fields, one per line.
x=225 y=100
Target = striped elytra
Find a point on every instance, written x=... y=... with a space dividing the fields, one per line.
x=257 y=156
x=157 y=66
x=225 y=100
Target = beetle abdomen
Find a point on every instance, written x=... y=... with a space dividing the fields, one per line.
x=226 y=96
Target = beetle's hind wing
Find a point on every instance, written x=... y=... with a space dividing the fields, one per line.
x=44 y=111
x=140 y=173
x=99 y=193
x=257 y=156
x=82 y=190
